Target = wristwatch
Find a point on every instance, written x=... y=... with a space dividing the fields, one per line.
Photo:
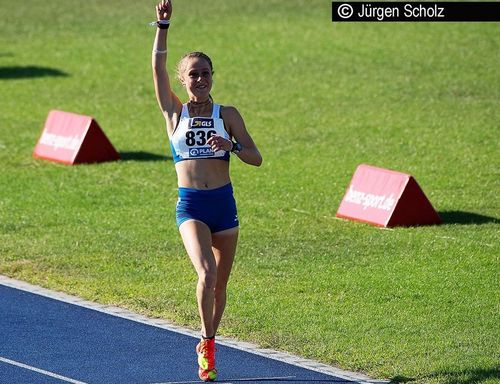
x=236 y=147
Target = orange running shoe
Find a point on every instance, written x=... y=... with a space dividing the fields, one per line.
x=207 y=375
x=206 y=354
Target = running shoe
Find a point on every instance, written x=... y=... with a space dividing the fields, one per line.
x=207 y=375
x=206 y=354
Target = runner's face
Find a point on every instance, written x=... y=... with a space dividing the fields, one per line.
x=198 y=78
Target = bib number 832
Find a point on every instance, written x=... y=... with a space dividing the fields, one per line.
x=198 y=137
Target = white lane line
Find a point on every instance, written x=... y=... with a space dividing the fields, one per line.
x=38 y=370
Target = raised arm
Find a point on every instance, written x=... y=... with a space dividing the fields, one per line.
x=169 y=103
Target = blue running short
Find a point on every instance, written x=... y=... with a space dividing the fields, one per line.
x=214 y=207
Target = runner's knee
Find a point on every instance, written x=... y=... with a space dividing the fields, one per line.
x=207 y=279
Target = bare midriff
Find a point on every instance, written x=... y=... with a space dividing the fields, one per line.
x=202 y=173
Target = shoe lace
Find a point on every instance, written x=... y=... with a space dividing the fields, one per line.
x=208 y=353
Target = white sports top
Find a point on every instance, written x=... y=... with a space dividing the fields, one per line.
x=189 y=140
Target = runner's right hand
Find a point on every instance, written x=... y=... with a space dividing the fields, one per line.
x=164 y=10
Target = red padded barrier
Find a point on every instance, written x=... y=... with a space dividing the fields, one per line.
x=70 y=138
x=386 y=198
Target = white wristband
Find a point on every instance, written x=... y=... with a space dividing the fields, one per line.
x=157 y=52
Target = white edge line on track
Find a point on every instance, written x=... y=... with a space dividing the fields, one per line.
x=38 y=370
x=159 y=323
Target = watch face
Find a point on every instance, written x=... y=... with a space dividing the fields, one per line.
x=236 y=147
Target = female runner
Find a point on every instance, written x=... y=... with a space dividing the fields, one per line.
x=202 y=135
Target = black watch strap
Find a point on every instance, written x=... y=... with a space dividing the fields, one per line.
x=236 y=148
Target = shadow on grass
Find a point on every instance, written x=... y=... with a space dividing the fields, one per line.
x=466 y=376
x=30 y=71
x=143 y=156
x=401 y=379
x=466 y=218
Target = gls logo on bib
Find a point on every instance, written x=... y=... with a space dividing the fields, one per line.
x=201 y=122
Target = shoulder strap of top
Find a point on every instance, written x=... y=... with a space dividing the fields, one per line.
x=216 y=111
x=185 y=112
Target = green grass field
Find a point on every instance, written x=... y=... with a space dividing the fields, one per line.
x=417 y=305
